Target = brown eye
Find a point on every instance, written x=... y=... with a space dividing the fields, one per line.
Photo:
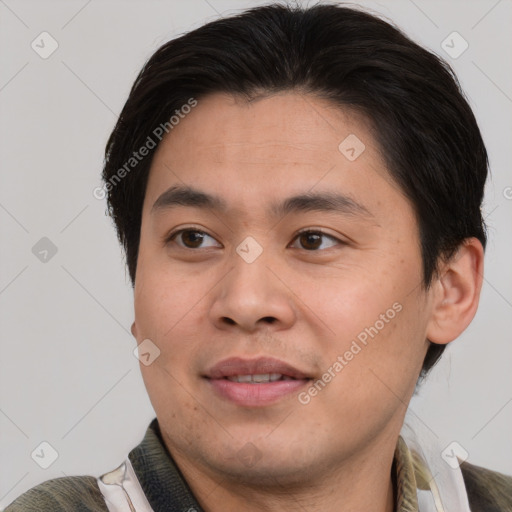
x=310 y=240
x=314 y=240
x=190 y=238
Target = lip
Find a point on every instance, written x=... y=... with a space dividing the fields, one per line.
x=254 y=394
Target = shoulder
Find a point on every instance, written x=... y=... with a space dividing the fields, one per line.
x=73 y=493
x=488 y=491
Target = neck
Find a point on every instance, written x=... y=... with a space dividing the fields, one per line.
x=363 y=482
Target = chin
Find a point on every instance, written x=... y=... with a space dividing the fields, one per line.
x=269 y=471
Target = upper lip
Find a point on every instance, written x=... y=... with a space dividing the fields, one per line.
x=239 y=366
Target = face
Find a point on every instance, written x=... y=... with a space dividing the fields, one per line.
x=279 y=275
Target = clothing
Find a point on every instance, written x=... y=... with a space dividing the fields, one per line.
x=167 y=491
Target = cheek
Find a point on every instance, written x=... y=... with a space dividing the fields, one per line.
x=164 y=299
x=176 y=405
x=353 y=301
x=381 y=357
x=169 y=313
x=377 y=323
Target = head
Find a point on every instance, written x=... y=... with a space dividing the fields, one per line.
x=262 y=125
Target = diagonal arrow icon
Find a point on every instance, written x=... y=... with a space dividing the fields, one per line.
x=146 y=352
x=249 y=455
x=44 y=45
x=44 y=250
x=44 y=455
x=249 y=249
x=454 y=45
x=351 y=147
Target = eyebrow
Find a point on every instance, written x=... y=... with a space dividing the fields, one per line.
x=180 y=195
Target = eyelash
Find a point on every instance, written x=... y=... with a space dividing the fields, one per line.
x=175 y=234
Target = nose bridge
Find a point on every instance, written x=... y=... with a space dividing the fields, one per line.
x=251 y=293
x=250 y=281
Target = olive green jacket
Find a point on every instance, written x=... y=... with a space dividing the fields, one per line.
x=167 y=491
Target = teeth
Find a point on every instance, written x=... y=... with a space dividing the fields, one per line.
x=259 y=378
x=243 y=378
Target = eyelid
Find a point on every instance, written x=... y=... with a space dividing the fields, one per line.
x=314 y=230
x=342 y=238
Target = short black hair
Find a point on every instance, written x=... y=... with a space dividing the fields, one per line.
x=425 y=128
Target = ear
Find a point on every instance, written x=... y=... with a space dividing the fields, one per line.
x=134 y=330
x=456 y=293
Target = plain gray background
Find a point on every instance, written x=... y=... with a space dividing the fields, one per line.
x=68 y=375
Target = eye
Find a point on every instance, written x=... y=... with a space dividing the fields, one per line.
x=312 y=240
x=191 y=238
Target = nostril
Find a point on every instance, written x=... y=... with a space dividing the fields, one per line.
x=269 y=319
x=229 y=321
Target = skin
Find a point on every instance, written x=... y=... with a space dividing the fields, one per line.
x=201 y=305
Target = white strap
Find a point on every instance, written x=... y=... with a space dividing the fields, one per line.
x=122 y=491
x=447 y=490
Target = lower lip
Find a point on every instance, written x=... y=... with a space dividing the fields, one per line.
x=256 y=395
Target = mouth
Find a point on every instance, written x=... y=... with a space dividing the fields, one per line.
x=255 y=382
x=259 y=378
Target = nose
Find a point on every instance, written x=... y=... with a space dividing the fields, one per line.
x=252 y=296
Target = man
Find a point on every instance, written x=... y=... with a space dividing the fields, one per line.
x=298 y=192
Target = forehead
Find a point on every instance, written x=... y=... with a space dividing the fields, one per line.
x=284 y=144
x=300 y=127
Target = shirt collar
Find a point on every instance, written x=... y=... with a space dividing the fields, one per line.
x=162 y=481
x=406 y=500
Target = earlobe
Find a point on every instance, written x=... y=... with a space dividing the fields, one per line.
x=134 y=330
x=457 y=293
